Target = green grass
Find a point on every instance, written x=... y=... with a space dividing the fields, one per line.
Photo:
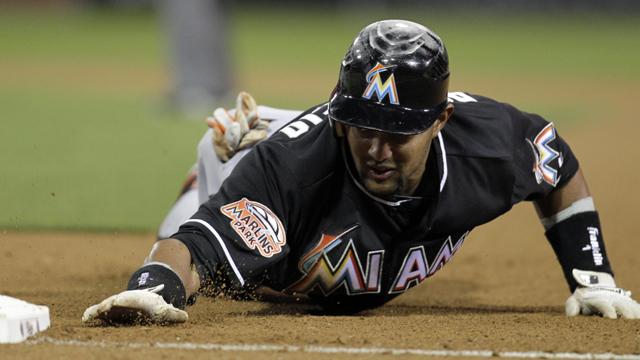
x=106 y=163
x=87 y=140
x=538 y=44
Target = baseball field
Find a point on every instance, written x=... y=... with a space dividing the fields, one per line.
x=93 y=156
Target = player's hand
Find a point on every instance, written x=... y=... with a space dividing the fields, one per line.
x=239 y=131
x=135 y=307
x=598 y=294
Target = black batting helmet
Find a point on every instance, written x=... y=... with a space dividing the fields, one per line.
x=394 y=78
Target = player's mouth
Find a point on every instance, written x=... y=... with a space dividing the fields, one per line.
x=380 y=174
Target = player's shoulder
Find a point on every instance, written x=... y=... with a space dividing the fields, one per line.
x=486 y=110
x=481 y=126
x=305 y=145
x=296 y=131
x=479 y=108
x=302 y=131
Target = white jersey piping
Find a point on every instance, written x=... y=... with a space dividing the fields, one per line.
x=224 y=247
x=445 y=168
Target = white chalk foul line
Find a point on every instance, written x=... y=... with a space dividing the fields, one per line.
x=337 y=350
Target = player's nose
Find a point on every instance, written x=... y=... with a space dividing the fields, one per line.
x=379 y=149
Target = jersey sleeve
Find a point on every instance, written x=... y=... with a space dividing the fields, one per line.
x=242 y=229
x=543 y=161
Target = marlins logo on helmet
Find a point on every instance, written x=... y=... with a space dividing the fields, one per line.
x=376 y=86
x=257 y=226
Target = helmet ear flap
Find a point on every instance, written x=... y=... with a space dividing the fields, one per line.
x=339 y=129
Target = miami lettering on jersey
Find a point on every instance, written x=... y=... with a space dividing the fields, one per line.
x=320 y=272
x=545 y=154
x=415 y=267
x=257 y=226
x=379 y=88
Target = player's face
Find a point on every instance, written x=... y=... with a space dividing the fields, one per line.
x=391 y=164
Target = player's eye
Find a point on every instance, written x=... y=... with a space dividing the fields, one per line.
x=367 y=133
x=398 y=139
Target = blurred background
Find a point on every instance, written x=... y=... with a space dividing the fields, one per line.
x=103 y=102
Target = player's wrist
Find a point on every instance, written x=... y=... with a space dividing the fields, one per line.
x=593 y=279
x=155 y=273
x=578 y=243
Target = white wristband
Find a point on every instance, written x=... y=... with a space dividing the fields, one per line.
x=577 y=207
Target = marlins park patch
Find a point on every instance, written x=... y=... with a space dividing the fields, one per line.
x=257 y=226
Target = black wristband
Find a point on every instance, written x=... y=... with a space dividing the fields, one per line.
x=151 y=275
x=577 y=242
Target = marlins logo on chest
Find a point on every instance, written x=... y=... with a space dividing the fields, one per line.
x=321 y=273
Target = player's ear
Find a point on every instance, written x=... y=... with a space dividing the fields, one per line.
x=441 y=121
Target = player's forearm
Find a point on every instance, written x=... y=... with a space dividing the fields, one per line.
x=573 y=229
x=175 y=254
x=560 y=199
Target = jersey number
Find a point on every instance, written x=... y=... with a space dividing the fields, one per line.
x=460 y=97
x=300 y=127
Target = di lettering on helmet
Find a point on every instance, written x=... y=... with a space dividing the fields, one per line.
x=394 y=78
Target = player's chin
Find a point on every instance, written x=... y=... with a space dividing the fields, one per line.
x=384 y=189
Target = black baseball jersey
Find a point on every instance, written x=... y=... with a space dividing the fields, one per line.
x=292 y=216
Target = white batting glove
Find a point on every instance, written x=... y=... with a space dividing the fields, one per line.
x=237 y=131
x=135 y=307
x=598 y=294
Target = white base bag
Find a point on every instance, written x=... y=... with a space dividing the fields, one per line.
x=20 y=319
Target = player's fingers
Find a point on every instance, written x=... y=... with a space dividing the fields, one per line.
x=90 y=313
x=572 y=306
x=636 y=310
x=605 y=308
x=261 y=125
x=634 y=306
x=625 y=311
x=94 y=311
x=246 y=111
x=225 y=137
x=628 y=309
x=251 y=138
x=214 y=124
x=233 y=135
x=170 y=314
x=156 y=289
x=223 y=116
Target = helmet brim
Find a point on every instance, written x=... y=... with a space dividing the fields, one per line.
x=383 y=117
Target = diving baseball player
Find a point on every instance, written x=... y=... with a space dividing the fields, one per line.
x=359 y=199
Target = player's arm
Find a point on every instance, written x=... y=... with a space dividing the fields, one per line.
x=573 y=229
x=576 y=189
x=232 y=239
x=547 y=172
x=177 y=256
x=157 y=292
